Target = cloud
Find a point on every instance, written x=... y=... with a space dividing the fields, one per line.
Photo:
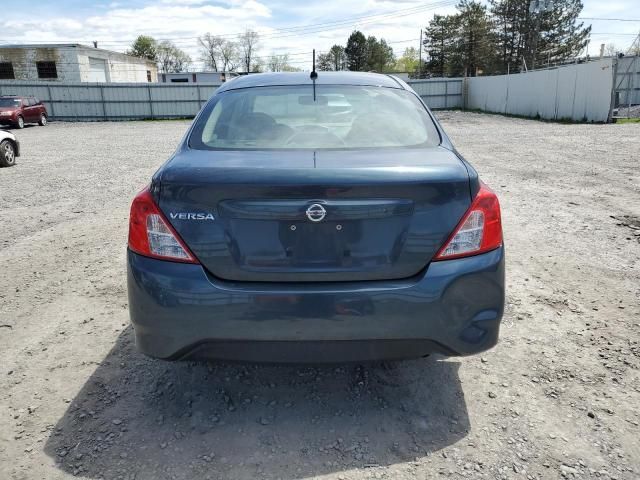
x=116 y=27
x=183 y=2
x=285 y=26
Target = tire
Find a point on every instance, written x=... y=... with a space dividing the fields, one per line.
x=20 y=122
x=43 y=120
x=7 y=154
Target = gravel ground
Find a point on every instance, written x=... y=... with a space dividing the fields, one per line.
x=559 y=397
x=627 y=112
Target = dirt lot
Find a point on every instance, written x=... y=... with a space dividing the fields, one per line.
x=558 y=397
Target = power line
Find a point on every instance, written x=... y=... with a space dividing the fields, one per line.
x=367 y=19
x=326 y=26
x=611 y=19
x=301 y=30
x=197 y=63
x=613 y=33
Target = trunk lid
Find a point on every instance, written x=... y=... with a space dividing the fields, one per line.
x=386 y=212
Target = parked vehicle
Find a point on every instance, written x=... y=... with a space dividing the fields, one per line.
x=9 y=149
x=18 y=111
x=326 y=219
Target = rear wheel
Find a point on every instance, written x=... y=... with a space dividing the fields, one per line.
x=20 y=122
x=7 y=154
x=43 y=120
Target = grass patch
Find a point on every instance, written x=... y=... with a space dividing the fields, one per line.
x=172 y=119
x=627 y=120
x=566 y=121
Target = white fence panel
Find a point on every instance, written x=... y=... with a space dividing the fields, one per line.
x=488 y=94
x=114 y=101
x=440 y=93
x=628 y=81
x=130 y=101
x=578 y=92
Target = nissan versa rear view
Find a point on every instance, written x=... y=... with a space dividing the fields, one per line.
x=309 y=219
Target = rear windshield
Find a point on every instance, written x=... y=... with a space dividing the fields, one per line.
x=288 y=117
x=9 y=102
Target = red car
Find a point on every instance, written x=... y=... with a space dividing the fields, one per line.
x=17 y=111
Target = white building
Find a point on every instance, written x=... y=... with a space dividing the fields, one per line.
x=73 y=63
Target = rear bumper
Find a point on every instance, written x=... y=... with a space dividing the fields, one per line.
x=180 y=312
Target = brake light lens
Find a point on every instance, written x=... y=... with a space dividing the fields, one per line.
x=479 y=231
x=151 y=235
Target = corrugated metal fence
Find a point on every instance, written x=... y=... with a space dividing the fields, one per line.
x=131 y=101
x=579 y=92
x=627 y=85
x=439 y=93
x=114 y=101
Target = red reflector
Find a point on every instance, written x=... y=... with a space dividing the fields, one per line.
x=479 y=231
x=151 y=235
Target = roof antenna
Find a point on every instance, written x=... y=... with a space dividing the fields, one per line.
x=314 y=75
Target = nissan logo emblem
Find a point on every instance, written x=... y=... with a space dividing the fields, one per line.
x=316 y=212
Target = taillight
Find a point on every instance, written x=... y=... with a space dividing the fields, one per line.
x=150 y=233
x=479 y=231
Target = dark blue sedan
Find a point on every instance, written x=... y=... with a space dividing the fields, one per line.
x=315 y=220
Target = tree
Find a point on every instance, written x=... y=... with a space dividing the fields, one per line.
x=379 y=55
x=324 y=63
x=476 y=49
x=220 y=54
x=278 y=63
x=511 y=18
x=408 y=62
x=144 y=47
x=356 y=51
x=249 y=42
x=553 y=35
x=611 y=49
x=258 y=65
x=210 y=50
x=229 y=56
x=334 y=59
x=338 y=57
x=440 y=43
x=561 y=36
x=511 y=34
x=171 y=59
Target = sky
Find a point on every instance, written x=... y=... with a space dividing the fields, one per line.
x=294 y=27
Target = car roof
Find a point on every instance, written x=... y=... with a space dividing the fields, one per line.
x=304 y=78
